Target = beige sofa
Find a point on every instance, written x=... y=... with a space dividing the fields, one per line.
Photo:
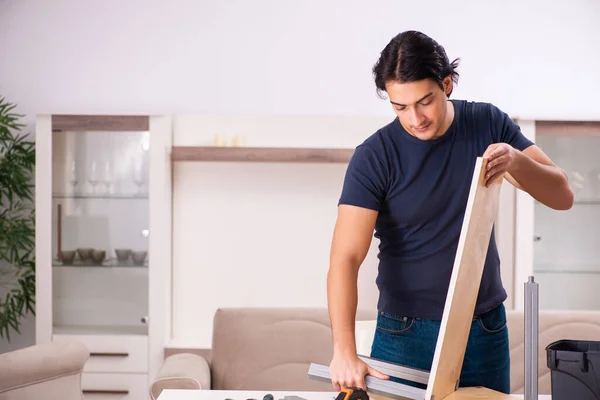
x=271 y=349
x=45 y=371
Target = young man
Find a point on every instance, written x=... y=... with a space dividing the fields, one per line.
x=409 y=182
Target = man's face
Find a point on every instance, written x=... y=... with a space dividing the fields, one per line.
x=421 y=106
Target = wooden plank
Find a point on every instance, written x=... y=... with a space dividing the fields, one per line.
x=63 y=122
x=480 y=213
x=260 y=154
x=567 y=128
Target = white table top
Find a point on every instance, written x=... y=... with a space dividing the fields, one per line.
x=170 y=394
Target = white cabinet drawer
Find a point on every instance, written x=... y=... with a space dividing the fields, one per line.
x=115 y=386
x=114 y=353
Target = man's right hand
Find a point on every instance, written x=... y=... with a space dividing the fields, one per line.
x=350 y=371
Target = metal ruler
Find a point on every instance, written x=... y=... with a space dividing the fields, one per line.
x=383 y=387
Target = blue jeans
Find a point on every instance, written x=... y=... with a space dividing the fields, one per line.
x=411 y=342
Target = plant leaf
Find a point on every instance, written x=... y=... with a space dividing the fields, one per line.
x=17 y=217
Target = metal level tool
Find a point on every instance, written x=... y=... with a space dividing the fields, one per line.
x=397 y=370
x=531 y=339
x=375 y=385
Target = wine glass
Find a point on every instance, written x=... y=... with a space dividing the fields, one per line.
x=107 y=176
x=139 y=177
x=93 y=176
x=73 y=176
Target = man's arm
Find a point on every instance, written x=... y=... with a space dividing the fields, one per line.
x=351 y=240
x=532 y=171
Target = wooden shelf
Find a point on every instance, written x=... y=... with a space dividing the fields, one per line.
x=261 y=154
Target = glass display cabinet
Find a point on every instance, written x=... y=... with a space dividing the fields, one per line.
x=566 y=244
x=102 y=247
x=560 y=248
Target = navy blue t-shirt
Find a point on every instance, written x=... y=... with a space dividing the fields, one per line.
x=420 y=190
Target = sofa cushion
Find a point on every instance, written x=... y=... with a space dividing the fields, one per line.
x=41 y=363
x=271 y=349
x=181 y=371
x=44 y=371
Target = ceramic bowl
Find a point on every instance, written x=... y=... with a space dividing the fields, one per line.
x=67 y=256
x=85 y=253
x=123 y=254
x=139 y=257
x=98 y=256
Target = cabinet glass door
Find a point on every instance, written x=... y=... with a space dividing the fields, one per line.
x=100 y=222
x=567 y=243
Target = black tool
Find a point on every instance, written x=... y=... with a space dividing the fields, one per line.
x=352 y=393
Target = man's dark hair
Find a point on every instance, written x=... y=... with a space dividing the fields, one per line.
x=413 y=56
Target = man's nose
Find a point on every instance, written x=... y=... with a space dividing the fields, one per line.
x=416 y=117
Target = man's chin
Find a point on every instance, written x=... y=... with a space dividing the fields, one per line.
x=424 y=135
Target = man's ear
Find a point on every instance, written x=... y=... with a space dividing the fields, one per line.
x=448 y=85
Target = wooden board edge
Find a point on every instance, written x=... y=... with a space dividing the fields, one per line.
x=260 y=154
x=67 y=122
x=439 y=384
x=567 y=128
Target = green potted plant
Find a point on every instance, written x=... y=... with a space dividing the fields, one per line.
x=17 y=221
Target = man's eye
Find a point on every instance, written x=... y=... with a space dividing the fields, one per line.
x=400 y=109
x=426 y=104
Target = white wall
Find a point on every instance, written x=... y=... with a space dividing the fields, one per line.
x=533 y=59
x=254 y=234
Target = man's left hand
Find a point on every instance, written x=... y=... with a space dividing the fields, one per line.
x=501 y=159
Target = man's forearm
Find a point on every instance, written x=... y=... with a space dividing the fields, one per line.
x=546 y=183
x=342 y=298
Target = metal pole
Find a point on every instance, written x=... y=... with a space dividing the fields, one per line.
x=531 y=339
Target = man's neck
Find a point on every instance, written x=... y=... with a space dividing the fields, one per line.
x=448 y=118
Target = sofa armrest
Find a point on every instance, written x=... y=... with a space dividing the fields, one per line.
x=181 y=371
x=37 y=369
